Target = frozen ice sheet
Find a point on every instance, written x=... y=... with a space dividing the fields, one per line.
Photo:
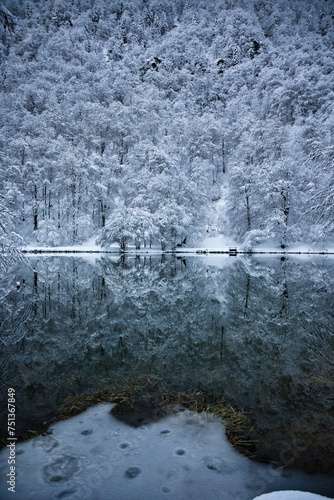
x=94 y=456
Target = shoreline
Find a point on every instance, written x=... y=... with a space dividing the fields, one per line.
x=173 y=252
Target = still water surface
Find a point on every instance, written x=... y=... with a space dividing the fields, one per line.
x=260 y=331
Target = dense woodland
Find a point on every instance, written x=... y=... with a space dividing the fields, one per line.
x=160 y=122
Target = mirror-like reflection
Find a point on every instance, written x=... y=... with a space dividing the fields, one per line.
x=258 y=331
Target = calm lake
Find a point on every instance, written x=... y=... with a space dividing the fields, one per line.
x=259 y=330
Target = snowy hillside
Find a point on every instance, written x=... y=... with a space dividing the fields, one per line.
x=153 y=122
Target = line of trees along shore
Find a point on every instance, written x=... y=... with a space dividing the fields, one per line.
x=159 y=122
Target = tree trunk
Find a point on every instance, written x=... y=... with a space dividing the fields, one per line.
x=50 y=204
x=58 y=211
x=249 y=224
x=35 y=210
x=45 y=211
x=73 y=192
x=286 y=210
x=223 y=156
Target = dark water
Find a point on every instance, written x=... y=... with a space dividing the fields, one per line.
x=260 y=331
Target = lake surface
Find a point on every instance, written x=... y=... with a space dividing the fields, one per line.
x=260 y=331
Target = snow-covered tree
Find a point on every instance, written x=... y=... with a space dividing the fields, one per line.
x=169 y=107
x=320 y=190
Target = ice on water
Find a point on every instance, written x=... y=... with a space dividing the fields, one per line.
x=94 y=456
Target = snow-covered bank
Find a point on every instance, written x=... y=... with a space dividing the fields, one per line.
x=215 y=245
x=290 y=495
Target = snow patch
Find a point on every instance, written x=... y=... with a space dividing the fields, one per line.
x=290 y=495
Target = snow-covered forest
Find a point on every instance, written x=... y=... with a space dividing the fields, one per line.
x=162 y=122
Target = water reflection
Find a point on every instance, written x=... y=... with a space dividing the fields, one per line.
x=280 y=342
x=261 y=332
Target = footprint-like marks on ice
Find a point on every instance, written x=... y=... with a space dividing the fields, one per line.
x=60 y=470
x=125 y=446
x=66 y=493
x=132 y=472
x=180 y=452
x=46 y=443
x=165 y=432
x=87 y=432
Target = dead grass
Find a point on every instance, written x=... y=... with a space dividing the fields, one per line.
x=146 y=399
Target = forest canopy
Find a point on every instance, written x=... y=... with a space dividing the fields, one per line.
x=161 y=122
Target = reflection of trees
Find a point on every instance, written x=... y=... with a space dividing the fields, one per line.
x=319 y=337
x=112 y=321
x=161 y=311
x=281 y=346
x=40 y=327
x=259 y=331
x=14 y=314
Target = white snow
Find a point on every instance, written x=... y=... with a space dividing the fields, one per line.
x=87 y=246
x=184 y=456
x=220 y=243
x=290 y=495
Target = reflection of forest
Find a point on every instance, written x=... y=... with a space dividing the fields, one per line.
x=280 y=342
x=261 y=332
x=85 y=326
